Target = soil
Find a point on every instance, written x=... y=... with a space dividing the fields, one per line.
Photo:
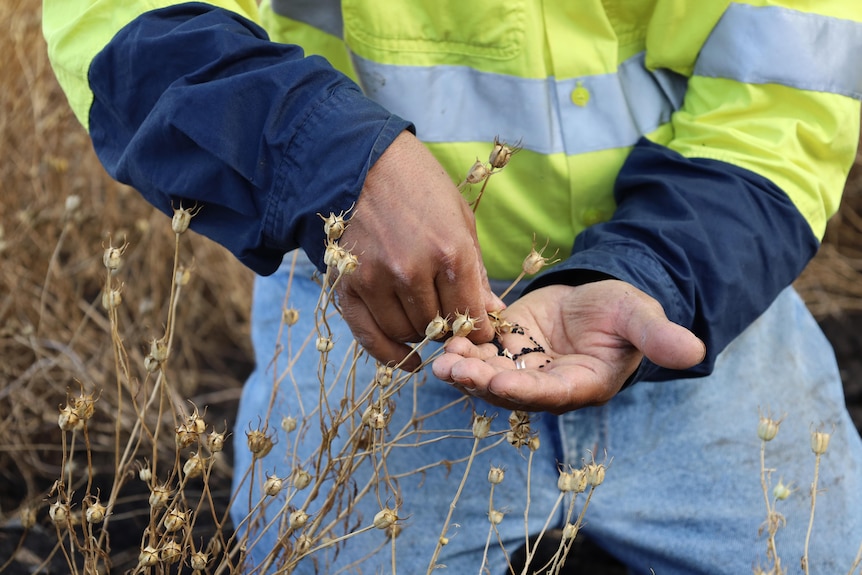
x=38 y=547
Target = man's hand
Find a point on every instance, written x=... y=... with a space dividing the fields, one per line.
x=415 y=238
x=574 y=347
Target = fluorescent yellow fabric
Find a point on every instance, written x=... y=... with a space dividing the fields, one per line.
x=77 y=30
x=804 y=141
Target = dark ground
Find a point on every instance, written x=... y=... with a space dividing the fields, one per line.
x=845 y=333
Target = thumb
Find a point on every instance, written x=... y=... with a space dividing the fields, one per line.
x=663 y=342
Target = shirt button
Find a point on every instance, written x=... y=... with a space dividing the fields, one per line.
x=580 y=95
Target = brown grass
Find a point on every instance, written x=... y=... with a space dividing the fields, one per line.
x=53 y=330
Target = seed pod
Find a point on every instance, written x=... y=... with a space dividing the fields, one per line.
x=259 y=443
x=324 y=344
x=781 y=491
x=301 y=478
x=159 y=350
x=171 y=552
x=290 y=316
x=481 y=426
x=333 y=254
x=68 y=420
x=767 y=428
x=303 y=544
x=182 y=218
x=183 y=276
x=185 y=436
x=145 y=474
x=347 y=264
x=215 y=442
x=159 y=497
x=334 y=226
x=175 y=520
x=437 y=328
x=198 y=561
x=534 y=443
x=148 y=556
x=495 y=517
x=112 y=299
x=288 y=423
x=820 y=442
x=59 y=513
x=463 y=325
x=297 y=519
x=569 y=531
x=194 y=466
x=112 y=257
x=272 y=485
x=595 y=473
x=478 y=173
x=84 y=406
x=96 y=513
x=501 y=154
x=383 y=375
x=496 y=475
x=385 y=518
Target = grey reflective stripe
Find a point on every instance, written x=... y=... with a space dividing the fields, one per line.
x=322 y=14
x=460 y=104
x=773 y=45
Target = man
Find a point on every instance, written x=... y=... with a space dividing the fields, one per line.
x=686 y=157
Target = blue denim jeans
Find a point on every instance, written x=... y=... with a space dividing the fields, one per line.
x=682 y=492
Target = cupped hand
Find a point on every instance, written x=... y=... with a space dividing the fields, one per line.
x=415 y=238
x=572 y=347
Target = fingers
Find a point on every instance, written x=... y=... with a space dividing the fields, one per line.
x=373 y=338
x=663 y=342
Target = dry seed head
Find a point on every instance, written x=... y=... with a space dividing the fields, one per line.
x=289 y=316
x=533 y=444
x=196 y=422
x=303 y=544
x=781 y=491
x=159 y=350
x=148 y=557
x=259 y=443
x=595 y=474
x=385 y=518
x=333 y=254
x=96 y=513
x=481 y=426
x=145 y=474
x=175 y=520
x=288 y=423
x=463 y=324
x=569 y=531
x=112 y=257
x=59 y=513
x=443 y=540
x=333 y=226
x=151 y=364
x=73 y=202
x=199 y=560
x=68 y=420
x=28 y=517
x=820 y=442
x=767 y=428
x=437 y=327
x=194 y=466
x=183 y=276
x=170 y=552
x=185 y=436
x=112 y=298
x=495 y=516
x=159 y=496
x=383 y=375
x=501 y=154
x=272 y=486
x=347 y=264
x=182 y=218
x=84 y=406
x=297 y=519
x=496 y=475
x=301 y=478
x=215 y=442
x=324 y=344
x=478 y=173
x=534 y=262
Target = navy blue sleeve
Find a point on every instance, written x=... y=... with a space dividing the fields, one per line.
x=195 y=104
x=714 y=243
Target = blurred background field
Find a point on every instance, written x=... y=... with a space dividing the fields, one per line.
x=58 y=210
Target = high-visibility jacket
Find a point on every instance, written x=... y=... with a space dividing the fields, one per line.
x=693 y=149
